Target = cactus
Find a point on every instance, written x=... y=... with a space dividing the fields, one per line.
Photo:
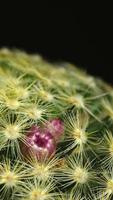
x=56 y=131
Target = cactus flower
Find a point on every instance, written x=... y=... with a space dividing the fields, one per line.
x=39 y=142
x=56 y=128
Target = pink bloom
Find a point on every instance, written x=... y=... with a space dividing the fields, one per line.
x=39 y=142
x=56 y=128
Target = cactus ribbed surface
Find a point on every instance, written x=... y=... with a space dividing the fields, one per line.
x=56 y=131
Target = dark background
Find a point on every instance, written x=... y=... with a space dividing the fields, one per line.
x=59 y=33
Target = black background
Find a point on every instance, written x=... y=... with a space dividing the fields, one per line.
x=62 y=33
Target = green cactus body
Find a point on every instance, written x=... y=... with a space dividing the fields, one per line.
x=70 y=114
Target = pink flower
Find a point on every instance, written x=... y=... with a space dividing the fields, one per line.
x=39 y=142
x=56 y=128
